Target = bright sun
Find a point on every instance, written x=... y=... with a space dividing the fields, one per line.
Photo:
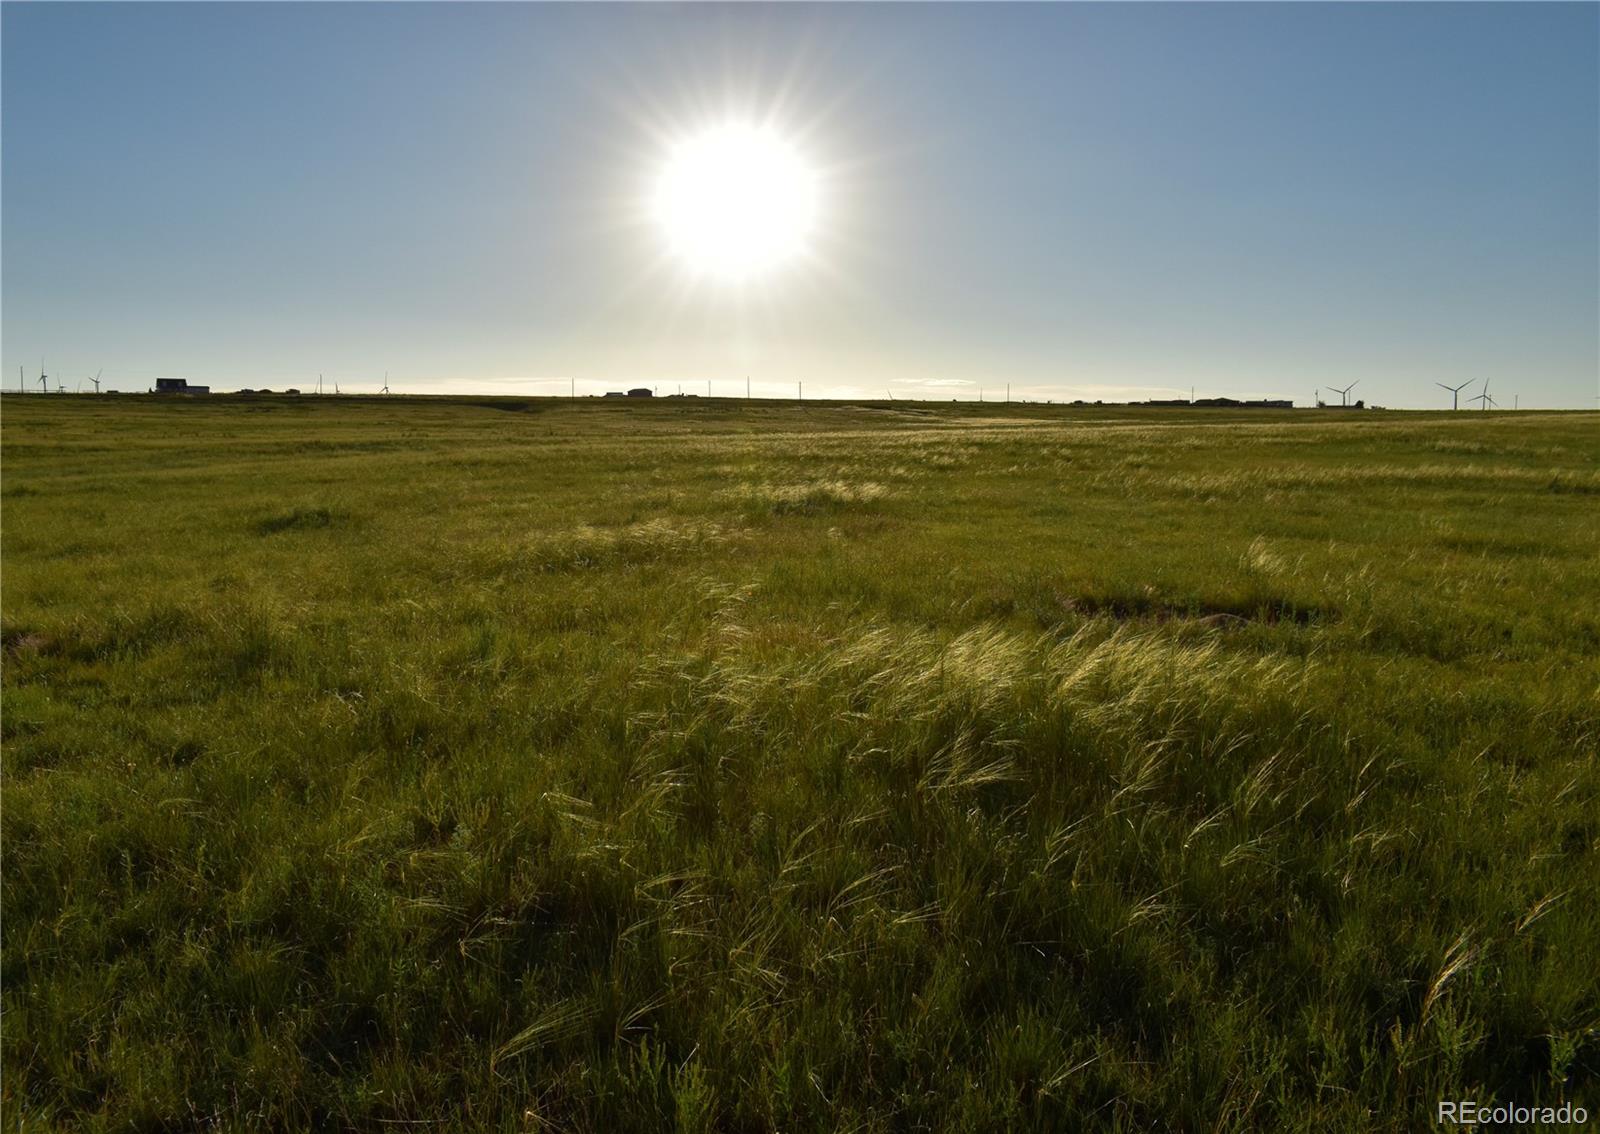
x=736 y=201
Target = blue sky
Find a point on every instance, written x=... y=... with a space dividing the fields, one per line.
x=1097 y=201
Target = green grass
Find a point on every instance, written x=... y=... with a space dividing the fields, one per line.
x=525 y=765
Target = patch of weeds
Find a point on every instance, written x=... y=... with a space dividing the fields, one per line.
x=812 y=497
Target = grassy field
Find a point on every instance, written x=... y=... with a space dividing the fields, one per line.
x=497 y=765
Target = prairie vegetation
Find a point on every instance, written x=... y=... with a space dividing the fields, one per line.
x=495 y=765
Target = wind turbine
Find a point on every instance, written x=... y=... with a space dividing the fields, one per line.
x=1344 y=394
x=1484 y=400
x=1455 y=392
x=385 y=381
x=96 y=379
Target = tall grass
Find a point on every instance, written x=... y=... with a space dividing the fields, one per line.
x=372 y=764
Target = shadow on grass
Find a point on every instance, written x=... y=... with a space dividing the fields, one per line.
x=302 y=519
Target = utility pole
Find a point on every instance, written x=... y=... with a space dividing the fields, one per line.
x=747 y=387
x=708 y=387
x=799 y=391
x=1008 y=393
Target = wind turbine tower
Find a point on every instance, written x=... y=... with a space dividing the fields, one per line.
x=1455 y=392
x=1344 y=394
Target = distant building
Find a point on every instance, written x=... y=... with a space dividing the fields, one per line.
x=641 y=392
x=179 y=386
x=615 y=394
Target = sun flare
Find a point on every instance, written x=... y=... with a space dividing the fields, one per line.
x=736 y=201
